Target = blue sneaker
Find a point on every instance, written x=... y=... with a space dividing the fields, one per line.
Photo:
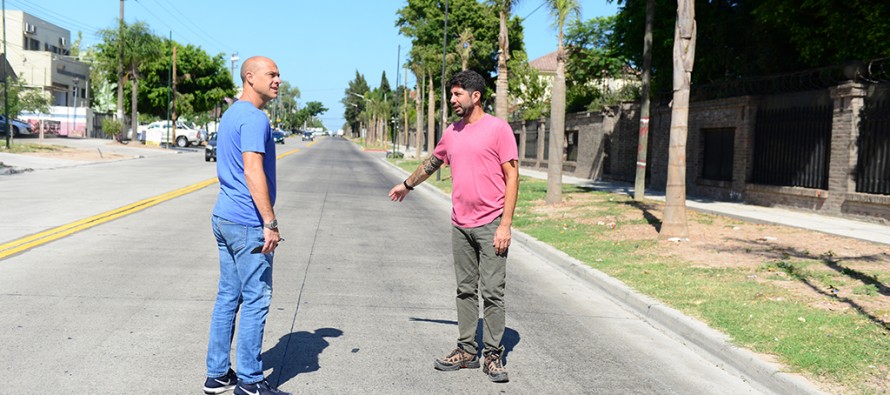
x=218 y=385
x=261 y=388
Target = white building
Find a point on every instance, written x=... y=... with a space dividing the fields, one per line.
x=39 y=53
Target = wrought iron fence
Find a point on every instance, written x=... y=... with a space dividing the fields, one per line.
x=873 y=169
x=792 y=146
x=873 y=71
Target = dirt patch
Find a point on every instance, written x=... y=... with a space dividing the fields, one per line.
x=841 y=272
x=77 y=154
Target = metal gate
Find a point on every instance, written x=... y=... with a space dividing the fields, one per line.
x=792 y=146
x=873 y=165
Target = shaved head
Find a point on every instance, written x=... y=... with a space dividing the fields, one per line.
x=252 y=65
x=260 y=79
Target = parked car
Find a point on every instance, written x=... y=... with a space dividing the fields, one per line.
x=307 y=136
x=278 y=136
x=185 y=134
x=210 y=148
x=19 y=128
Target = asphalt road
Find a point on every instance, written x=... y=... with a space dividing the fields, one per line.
x=362 y=302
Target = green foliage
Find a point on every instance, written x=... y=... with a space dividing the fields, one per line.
x=308 y=113
x=529 y=91
x=202 y=81
x=422 y=21
x=592 y=65
x=824 y=32
x=112 y=126
x=22 y=99
x=354 y=105
x=749 y=38
x=285 y=106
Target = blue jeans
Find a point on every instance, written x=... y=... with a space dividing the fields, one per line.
x=245 y=280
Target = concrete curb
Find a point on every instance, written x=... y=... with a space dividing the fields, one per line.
x=711 y=344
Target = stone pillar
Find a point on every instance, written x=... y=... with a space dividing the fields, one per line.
x=522 y=138
x=848 y=98
x=743 y=149
x=542 y=143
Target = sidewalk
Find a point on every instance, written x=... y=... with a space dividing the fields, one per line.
x=862 y=230
x=23 y=162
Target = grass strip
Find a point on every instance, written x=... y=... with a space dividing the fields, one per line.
x=846 y=349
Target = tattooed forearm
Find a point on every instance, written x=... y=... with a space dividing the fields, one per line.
x=431 y=165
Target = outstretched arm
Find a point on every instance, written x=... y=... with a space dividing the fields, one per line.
x=423 y=171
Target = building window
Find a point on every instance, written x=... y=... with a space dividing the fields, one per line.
x=572 y=146
x=717 y=153
x=31 y=44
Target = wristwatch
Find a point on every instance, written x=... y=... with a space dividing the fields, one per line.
x=271 y=225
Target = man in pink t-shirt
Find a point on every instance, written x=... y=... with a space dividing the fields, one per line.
x=481 y=151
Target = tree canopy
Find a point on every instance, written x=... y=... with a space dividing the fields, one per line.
x=750 y=38
x=202 y=81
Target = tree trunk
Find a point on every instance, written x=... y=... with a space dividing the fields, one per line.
x=430 y=117
x=418 y=122
x=501 y=104
x=557 y=129
x=134 y=118
x=643 y=146
x=684 y=56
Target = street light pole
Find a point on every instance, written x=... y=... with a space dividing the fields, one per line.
x=76 y=86
x=6 y=83
x=444 y=96
x=234 y=59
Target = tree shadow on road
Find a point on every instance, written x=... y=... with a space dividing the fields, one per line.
x=510 y=340
x=297 y=353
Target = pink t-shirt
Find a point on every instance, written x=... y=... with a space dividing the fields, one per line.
x=475 y=153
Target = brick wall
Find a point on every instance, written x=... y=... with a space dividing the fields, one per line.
x=607 y=149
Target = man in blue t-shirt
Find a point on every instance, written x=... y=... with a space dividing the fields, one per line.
x=246 y=233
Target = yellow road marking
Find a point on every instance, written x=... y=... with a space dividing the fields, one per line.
x=26 y=243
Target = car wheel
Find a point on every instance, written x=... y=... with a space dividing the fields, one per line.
x=15 y=131
x=182 y=142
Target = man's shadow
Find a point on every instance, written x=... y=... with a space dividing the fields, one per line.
x=296 y=353
x=509 y=341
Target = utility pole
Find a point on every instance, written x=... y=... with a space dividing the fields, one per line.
x=173 y=116
x=120 y=65
x=6 y=84
x=444 y=95
x=169 y=90
x=395 y=124
x=405 y=105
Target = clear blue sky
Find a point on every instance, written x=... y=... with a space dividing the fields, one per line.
x=318 y=45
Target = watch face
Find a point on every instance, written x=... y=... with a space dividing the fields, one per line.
x=273 y=224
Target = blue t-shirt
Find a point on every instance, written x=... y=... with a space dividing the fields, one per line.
x=243 y=128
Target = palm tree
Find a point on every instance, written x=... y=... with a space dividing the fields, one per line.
x=684 y=57
x=560 y=10
x=464 y=46
x=418 y=98
x=133 y=45
x=501 y=104
x=140 y=45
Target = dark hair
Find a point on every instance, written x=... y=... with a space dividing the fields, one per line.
x=470 y=81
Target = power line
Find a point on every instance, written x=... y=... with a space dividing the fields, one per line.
x=189 y=24
x=170 y=28
x=535 y=10
x=55 y=18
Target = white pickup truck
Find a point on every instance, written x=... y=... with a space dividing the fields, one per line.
x=183 y=136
